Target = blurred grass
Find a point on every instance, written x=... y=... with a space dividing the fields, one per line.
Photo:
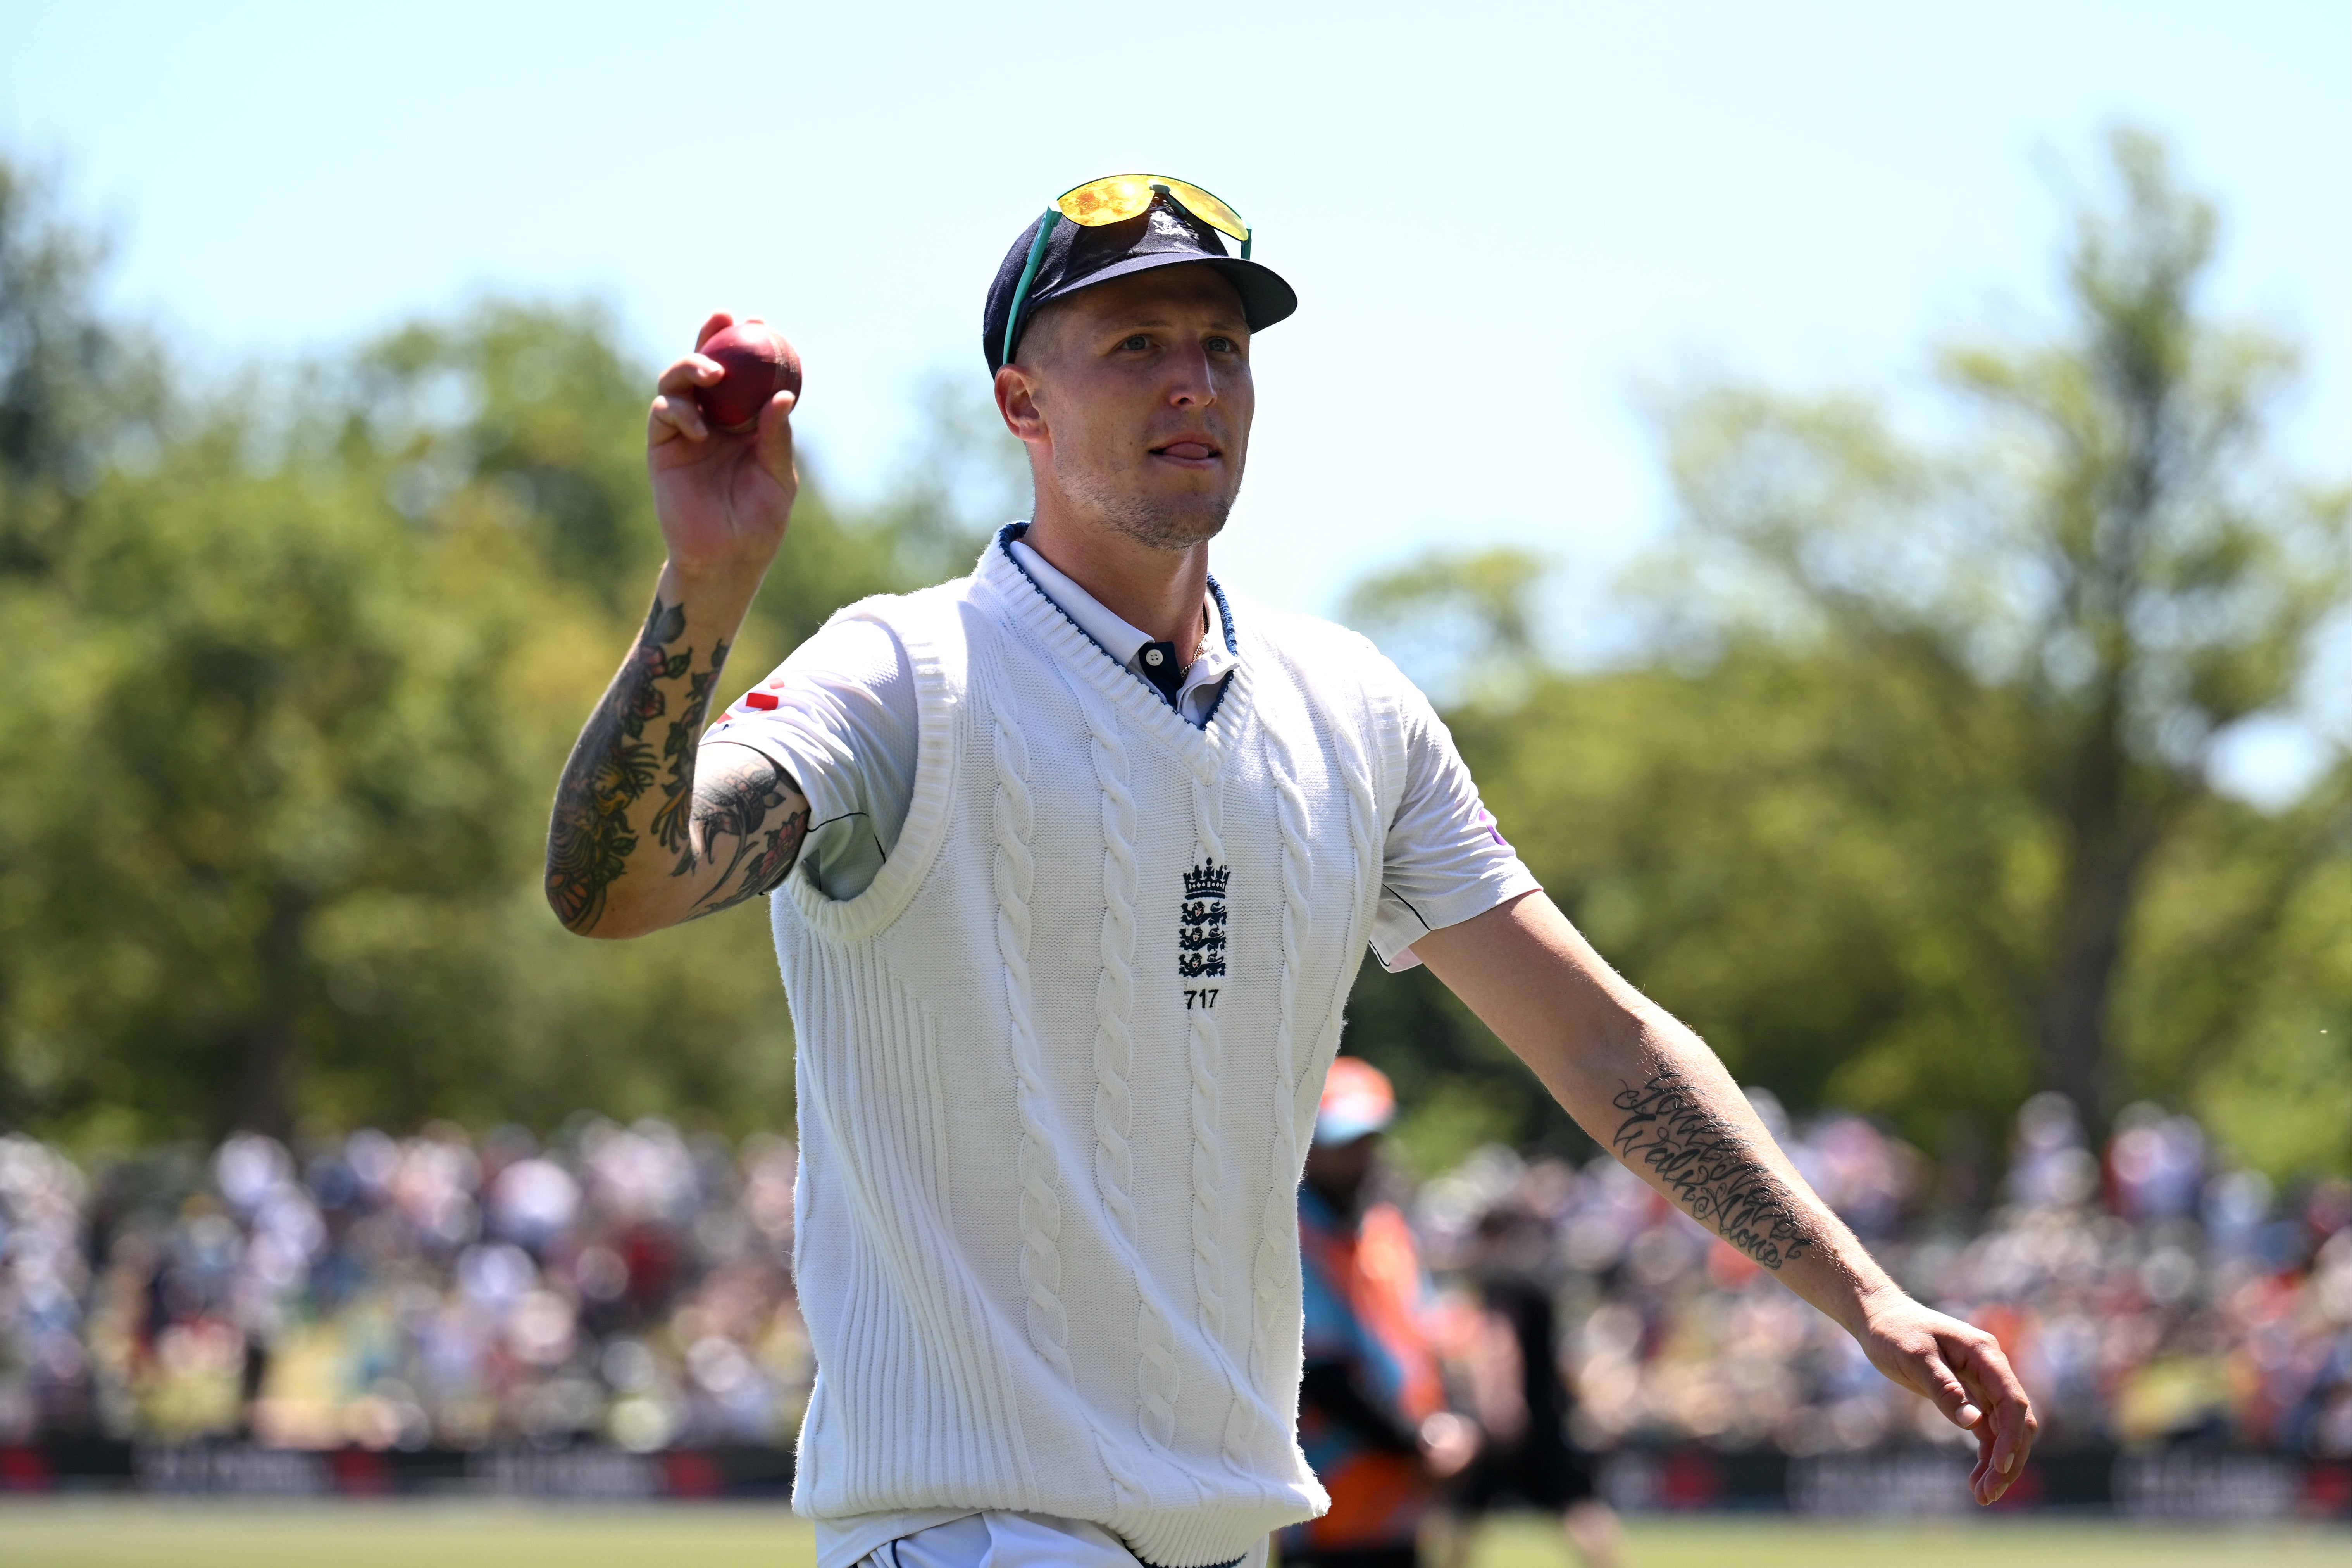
x=1769 y=1541
x=141 y=1533
x=122 y=1533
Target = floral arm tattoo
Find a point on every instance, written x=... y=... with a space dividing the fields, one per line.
x=1707 y=1167
x=591 y=837
x=753 y=802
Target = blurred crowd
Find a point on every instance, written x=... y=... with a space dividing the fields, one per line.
x=632 y=1285
x=2144 y=1294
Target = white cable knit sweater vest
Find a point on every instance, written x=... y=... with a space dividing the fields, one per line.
x=1057 y=1067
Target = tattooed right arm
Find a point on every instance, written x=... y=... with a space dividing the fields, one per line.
x=724 y=827
x=595 y=829
x=743 y=797
x=623 y=857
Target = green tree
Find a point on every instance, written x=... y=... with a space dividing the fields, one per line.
x=1467 y=621
x=1913 y=811
x=2110 y=550
x=73 y=387
x=292 y=695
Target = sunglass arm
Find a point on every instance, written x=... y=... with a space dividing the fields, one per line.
x=1029 y=275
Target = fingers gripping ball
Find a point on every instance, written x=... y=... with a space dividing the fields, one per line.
x=759 y=364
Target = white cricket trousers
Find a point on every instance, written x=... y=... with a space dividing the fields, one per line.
x=1002 y=1540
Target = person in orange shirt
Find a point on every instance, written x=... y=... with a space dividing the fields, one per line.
x=1371 y=1404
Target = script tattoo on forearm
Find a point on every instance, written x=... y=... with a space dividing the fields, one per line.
x=1708 y=1167
x=589 y=839
x=736 y=803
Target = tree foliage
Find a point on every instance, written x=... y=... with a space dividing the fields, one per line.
x=1913 y=811
x=294 y=680
x=1467 y=621
x=1909 y=810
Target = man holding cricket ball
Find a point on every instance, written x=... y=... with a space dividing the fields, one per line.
x=1071 y=863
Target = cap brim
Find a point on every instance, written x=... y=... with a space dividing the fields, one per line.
x=1346 y=1127
x=1266 y=298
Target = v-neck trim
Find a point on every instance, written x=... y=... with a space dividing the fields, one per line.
x=1025 y=603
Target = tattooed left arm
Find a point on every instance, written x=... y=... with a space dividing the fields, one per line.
x=1651 y=1091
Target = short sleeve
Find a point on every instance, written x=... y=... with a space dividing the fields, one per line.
x=840 y=716
x=1446 y=859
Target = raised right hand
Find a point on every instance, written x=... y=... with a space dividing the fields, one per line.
x=723 y=500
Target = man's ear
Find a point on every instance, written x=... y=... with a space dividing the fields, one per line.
x=1016 y=400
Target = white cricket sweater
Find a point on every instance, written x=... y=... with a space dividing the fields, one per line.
x=1057 y=1069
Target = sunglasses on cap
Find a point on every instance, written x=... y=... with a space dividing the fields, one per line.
x=1115 y=198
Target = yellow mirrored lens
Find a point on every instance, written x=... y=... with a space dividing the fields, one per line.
x=1118 y=197
x=1112 y=200
x=1208 y=208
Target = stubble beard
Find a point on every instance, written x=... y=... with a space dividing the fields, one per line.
x=1173 y=526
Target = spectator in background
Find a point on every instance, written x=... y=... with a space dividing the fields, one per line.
x=628 y=1286
x=618 y=1285
x=1371 y=1406
x=1506 y=1346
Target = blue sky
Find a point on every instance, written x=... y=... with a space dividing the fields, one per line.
x=1500 y=219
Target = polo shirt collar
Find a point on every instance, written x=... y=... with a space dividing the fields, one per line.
x=1219 y=651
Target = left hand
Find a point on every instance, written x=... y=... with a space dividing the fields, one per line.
x=1962 y=1370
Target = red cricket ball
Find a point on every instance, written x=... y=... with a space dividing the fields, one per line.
x=759 y=364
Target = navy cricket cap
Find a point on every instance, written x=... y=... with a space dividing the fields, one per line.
x=1078 y=257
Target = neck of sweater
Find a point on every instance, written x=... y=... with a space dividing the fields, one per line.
x=1157 y=591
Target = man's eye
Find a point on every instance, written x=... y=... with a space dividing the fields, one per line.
x=1137 y=341
x=1223 y=345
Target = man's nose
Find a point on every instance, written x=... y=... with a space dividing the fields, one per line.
x=1192 y=380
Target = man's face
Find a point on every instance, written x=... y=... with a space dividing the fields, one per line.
x=1339 y=1170
x=1134 y=397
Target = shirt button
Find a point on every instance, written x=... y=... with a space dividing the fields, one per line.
x=1151 y=656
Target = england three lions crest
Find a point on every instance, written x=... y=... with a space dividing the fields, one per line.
x=1201 y=934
